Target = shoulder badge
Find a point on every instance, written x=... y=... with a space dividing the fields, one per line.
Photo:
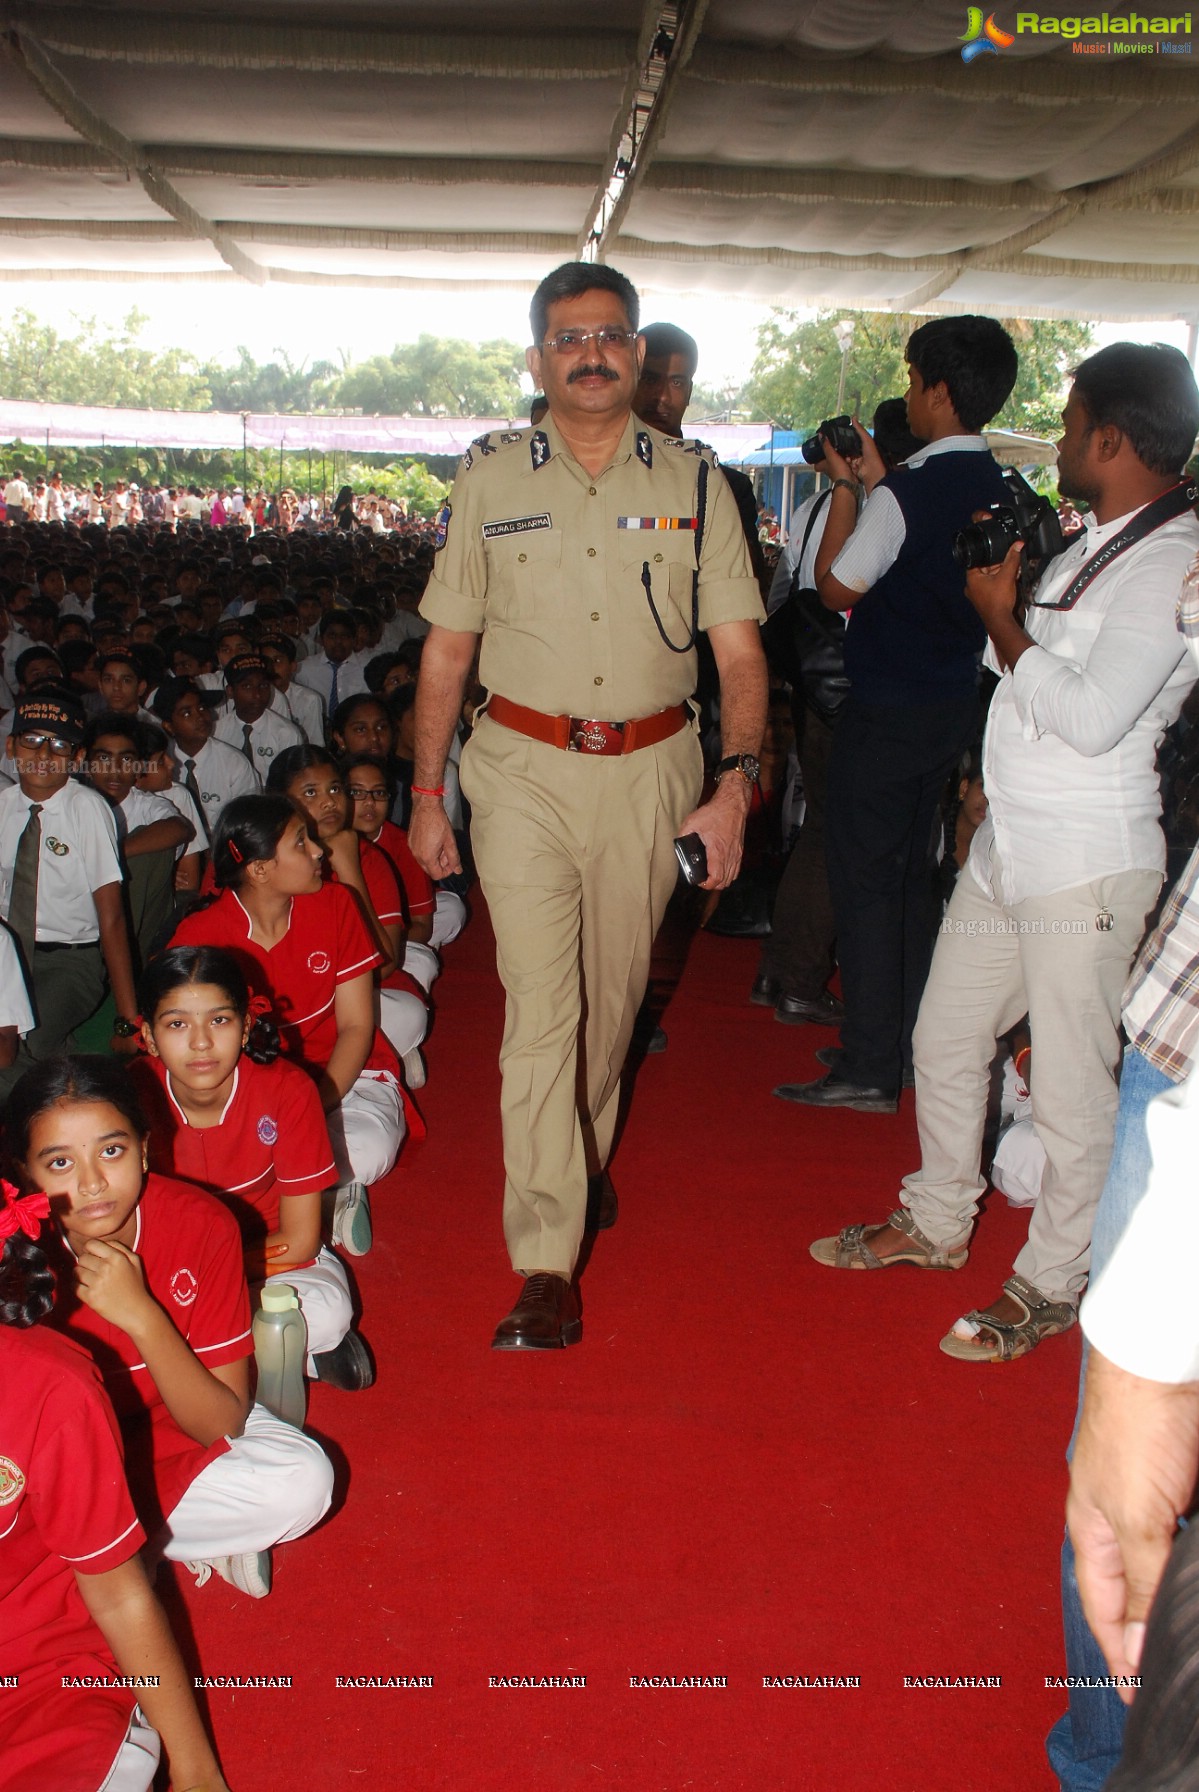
x=539 y=448
x=468 y=460
x=673 y=442
x=512 y=435
x=484 y=444
x=645 y=449
x=441 y=527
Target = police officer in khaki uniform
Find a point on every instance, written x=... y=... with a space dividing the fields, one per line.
x=572 y=549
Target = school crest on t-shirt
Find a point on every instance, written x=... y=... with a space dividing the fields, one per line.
x=12 y=1481
x=268 y=1132
x=318 y=963
x=184 y=1287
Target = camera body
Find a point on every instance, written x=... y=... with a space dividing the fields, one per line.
x=1029 y=518
x=839 y=434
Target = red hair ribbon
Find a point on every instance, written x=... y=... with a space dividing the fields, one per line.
x=22 y=1213
x=259 y=1007
x=235 y=852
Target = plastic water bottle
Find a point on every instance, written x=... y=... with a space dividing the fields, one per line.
x=281 y=1350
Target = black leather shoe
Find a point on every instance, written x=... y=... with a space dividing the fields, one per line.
x=833 y=1091
x=601 y=1203
x=826 y=1010
x=546 y=1317
x=346 y=1366
x=765 y=991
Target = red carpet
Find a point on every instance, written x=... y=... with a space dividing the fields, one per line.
x=752 y=1466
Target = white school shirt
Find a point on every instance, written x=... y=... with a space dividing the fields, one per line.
x=182 y=800
x=269 y=735
x=789 y=559
x=142 y=808
x=15 y=1007
x=1069 y=754
x=317 y=674
x=221 y=774
x=79 y=855
x=303 y=706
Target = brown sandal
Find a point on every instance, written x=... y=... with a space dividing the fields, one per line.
x=850 y=1249
x=1042 y=1319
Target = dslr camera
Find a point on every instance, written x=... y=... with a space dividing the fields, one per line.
x=839 y=434
x=1030 y=518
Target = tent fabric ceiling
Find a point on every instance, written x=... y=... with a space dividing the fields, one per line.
x=796 y=151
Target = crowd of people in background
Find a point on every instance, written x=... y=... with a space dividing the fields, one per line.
x=122 y=503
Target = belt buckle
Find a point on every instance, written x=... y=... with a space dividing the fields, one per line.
x=590 y=736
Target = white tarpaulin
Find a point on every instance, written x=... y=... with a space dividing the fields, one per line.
x=800 y=151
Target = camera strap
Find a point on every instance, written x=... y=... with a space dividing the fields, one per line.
x=1173 y=503
x=701 y=511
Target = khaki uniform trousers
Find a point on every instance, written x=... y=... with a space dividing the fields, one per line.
x=576 y=858
x=993 y=963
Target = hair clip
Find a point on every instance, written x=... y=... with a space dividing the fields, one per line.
x=235 y=852
x=22 y=1213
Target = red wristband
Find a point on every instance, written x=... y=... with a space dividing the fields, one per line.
x=418 y=790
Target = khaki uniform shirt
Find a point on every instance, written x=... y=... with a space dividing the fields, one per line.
x=551 y=566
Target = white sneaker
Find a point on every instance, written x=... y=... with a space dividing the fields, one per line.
x=414 y=1069
x=249 y=1573
x=352 y=1219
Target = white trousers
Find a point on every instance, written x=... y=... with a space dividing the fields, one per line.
x=403 y=1018
x=136 y=1764
x=323 y=1291
x=367 y=1129
x=449 y=918
x=272 y=1485
x=422 y=962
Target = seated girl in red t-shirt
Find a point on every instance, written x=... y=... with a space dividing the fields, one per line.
x=227 y=1113
x=310 y=777
x=75 y=1603
x=150 y=1282
x=304 y=944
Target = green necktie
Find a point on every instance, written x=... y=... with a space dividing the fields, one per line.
x=247 y=745
x=22 y=906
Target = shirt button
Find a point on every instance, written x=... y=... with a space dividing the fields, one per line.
x=597 y=681
x=522 y=556
x=591 y=491
x=595 y=615
x=658 y=558
x=591 y=553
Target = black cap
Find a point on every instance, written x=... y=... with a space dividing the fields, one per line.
x=46 y=712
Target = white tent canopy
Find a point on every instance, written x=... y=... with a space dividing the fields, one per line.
x=798 y=151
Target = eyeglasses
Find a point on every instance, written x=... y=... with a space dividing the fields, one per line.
x=569 y=342
x=35 y=743
x=375 y=794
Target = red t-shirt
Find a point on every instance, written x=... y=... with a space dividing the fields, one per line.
x=191 y=1256
x=64 y=1506
x=387 y=899
x=326 y=943
x=271 y=1140
x=415 y=881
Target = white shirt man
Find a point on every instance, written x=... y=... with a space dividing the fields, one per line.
x=16 y=498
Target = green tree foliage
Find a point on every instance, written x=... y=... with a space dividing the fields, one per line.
x=437 y=377
x=796 y=371
x=279 y=387
x=96 y=366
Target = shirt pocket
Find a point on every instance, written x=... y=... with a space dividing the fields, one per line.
x=524 y=574
x=660 y=565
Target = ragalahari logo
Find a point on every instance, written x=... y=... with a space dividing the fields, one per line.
x=982 y=37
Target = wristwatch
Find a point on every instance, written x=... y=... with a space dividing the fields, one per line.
x=124 y=1029
x=745 y=763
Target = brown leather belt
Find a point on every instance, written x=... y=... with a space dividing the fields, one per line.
x=577 y=734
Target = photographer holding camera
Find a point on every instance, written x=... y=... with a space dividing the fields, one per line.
x=1061 y=876
x=912 y=648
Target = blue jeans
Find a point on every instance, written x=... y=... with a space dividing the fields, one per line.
x=1084 y=1744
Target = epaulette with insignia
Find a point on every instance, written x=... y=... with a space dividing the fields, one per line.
x=539 y=449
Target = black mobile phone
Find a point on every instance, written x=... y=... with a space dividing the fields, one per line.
x=692 y=855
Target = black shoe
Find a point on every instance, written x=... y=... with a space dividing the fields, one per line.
x=765 y=990
x=601 y=1203
x=546 y=1317
x=831 y=1055
x=347 y=1366
x=825 y=1010
x=833 y=1091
